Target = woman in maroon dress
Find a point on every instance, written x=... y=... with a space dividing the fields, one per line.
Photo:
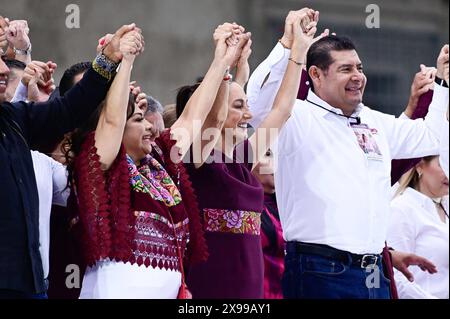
x=230 y=196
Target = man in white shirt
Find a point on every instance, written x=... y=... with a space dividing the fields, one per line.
x=51 y=181
x=333 y=184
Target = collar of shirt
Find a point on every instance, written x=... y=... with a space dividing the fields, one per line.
x=315 y=99
x=423 y=200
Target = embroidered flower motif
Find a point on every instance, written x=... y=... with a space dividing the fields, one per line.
x=213 y=225
x=233 y=219
x=213 y=213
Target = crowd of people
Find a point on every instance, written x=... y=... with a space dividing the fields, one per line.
x=271 y=184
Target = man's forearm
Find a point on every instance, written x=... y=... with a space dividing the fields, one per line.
x=63 y=114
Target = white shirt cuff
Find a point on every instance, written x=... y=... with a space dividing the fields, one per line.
x=21 y=94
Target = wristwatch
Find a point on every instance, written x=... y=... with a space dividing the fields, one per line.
x=27 y=51
x=441 y=82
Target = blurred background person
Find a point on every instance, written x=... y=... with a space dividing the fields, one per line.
x=419 y=224
x=272 y=241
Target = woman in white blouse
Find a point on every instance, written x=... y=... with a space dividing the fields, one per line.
x=419 y=224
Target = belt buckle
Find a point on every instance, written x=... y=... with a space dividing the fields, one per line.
x=365 y=263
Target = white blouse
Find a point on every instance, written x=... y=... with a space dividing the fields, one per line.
x=416 y=227
x=118 y=280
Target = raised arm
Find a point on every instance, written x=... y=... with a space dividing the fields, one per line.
x=269 y=129
x=111 y=124
x=243 y=67
x=444 y=138
x=423 y=82
x=37 y=79
x=3 y=38
x=266 y=79
x=201 y=102
x=219 y=111
x=19 y=41
x=43 y=121
x=413 y=139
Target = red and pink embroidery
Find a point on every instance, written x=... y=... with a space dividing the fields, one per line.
x=232 y=221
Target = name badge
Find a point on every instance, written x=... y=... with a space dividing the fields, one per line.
x=367 y=142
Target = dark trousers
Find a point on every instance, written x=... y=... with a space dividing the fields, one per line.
x=311 y=276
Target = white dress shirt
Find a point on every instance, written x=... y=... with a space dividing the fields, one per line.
x=416 y=227
x=51 y=180
x=329 y=191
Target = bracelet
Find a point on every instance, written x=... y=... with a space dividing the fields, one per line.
x=104 y=66
x=284 y=46
x=298 y=63
x=27 y=51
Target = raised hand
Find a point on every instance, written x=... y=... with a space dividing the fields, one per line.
x=237 y=36
x=38 y=78
x=112 y=49
x=422 y=83
x=324 y=34
x=17 y=35
x=293 y=17
x=131 y=45
x=303 y=35
x=226 y=47
x=227 y=28
x=243 y=67
x=4 y=23
x=142 y=102
x=103 y=41
x=442 y=63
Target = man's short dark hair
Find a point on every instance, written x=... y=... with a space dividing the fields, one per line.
x=67 y=80
x=319 y=54
x=15 y=64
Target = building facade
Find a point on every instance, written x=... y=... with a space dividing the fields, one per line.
x=179 y=47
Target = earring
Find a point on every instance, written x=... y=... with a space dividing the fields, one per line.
x=420 y=174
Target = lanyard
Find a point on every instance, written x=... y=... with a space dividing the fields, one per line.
x=356 y=120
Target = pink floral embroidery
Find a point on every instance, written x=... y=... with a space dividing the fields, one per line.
x=213 y=225
x=232 y=221
x=234 y=218
x=214 y=213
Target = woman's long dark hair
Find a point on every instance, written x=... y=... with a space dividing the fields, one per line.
x=71 y=148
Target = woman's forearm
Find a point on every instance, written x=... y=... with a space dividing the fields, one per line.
x=117 y=99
